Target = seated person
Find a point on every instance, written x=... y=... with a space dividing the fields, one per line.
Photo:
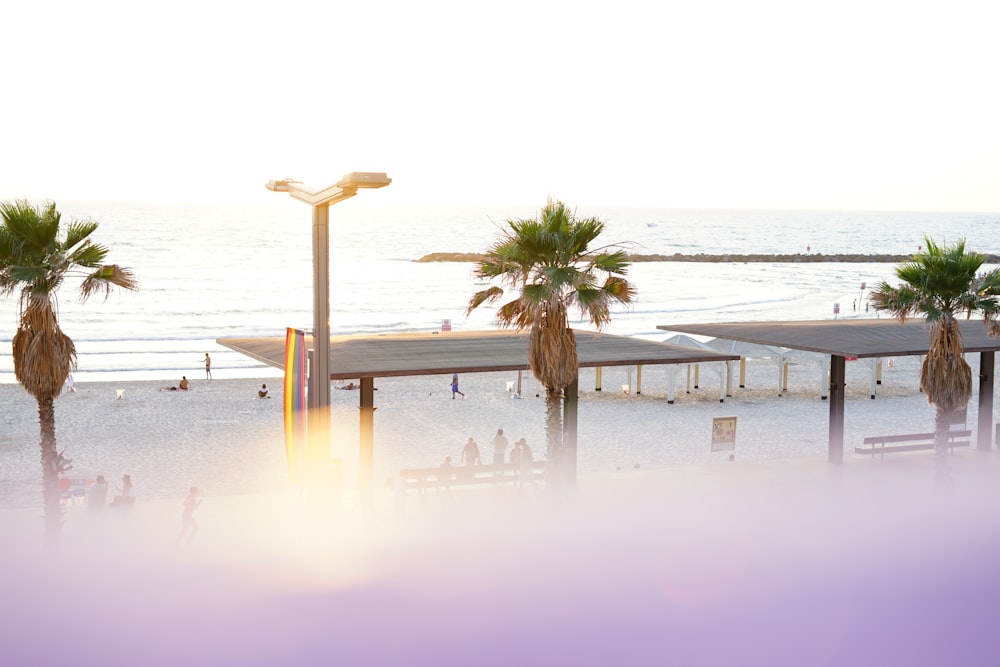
x=184 y=383
x=127 y=496
x=262 y=392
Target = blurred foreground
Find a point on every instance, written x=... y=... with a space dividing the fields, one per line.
x=773 y=563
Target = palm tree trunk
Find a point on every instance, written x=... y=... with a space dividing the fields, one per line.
x=942 y=425
x=553 y=437
x=52 y=465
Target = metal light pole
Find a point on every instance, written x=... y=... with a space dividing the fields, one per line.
x=321 y=200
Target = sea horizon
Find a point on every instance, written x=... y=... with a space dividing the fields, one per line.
x=210 y=271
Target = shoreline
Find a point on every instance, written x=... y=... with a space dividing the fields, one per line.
x=796 y=258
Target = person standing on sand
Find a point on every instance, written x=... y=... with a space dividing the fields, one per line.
x=525 y=459
x=499 y=447
x=446 y=475
x=470 y=453
x=97 y=494
x=188 y=524
x=454 y=387
x=208 y=367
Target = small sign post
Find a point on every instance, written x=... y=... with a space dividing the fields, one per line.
x=724 y=434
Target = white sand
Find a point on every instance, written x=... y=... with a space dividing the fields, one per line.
x=776 y=558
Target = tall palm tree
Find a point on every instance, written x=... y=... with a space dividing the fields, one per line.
x=943 y=283
x=36 y=256
x=549 y=264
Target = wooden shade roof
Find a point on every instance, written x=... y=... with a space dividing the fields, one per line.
x=848 y=338
x=393 y=355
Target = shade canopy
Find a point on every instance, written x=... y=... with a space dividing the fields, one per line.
x=394 y=355
x=847 y=338
x=860 y=338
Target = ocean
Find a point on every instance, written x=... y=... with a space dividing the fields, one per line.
x=210 y=271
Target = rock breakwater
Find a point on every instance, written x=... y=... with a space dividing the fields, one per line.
x=724 y=257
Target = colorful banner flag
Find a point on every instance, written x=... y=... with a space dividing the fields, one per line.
x=295 y=401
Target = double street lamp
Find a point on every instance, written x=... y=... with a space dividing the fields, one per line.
x=321 y=200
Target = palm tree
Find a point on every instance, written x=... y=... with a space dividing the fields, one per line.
x=35 y=258
x=548 y=262
x=943 y=283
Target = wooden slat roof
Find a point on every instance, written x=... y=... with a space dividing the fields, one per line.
x=848 y=338
x=392 y=355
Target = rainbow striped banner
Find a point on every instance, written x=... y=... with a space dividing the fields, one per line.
x=295 y=401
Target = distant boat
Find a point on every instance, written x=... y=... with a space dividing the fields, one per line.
x=651 y=224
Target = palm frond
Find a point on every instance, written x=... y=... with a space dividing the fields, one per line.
x=487 y=295
x=619 y=289
x=89 y=255
x=79 y=231
x=105 y=278
x=612 y=262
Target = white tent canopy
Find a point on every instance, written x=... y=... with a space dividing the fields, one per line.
x=782 y=356
x=724 y=368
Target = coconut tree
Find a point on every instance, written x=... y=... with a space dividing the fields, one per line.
x=943 y=283
x=549 y=265
x=36 y=255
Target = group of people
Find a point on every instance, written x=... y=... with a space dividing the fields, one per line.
x=184 y=384
x=521 y=456
x=97 y=494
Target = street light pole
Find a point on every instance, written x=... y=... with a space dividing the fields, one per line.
x=321 y=200
x=319 y=399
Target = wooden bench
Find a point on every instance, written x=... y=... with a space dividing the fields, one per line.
x=911 y=442
x=446 y=476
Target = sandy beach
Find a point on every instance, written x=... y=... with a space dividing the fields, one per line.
x=220 y=436
x=774 y=558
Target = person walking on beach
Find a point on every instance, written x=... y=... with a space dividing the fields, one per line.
x=454 y=386
x=208 y=367
x=188 y=524
x=499 y=447
x=470 y=453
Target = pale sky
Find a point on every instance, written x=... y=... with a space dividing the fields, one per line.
x=730 y=104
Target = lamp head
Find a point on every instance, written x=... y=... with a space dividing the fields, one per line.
x=280 y=186
x=364 y=179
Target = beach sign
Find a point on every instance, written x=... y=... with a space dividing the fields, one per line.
x=724 y=434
